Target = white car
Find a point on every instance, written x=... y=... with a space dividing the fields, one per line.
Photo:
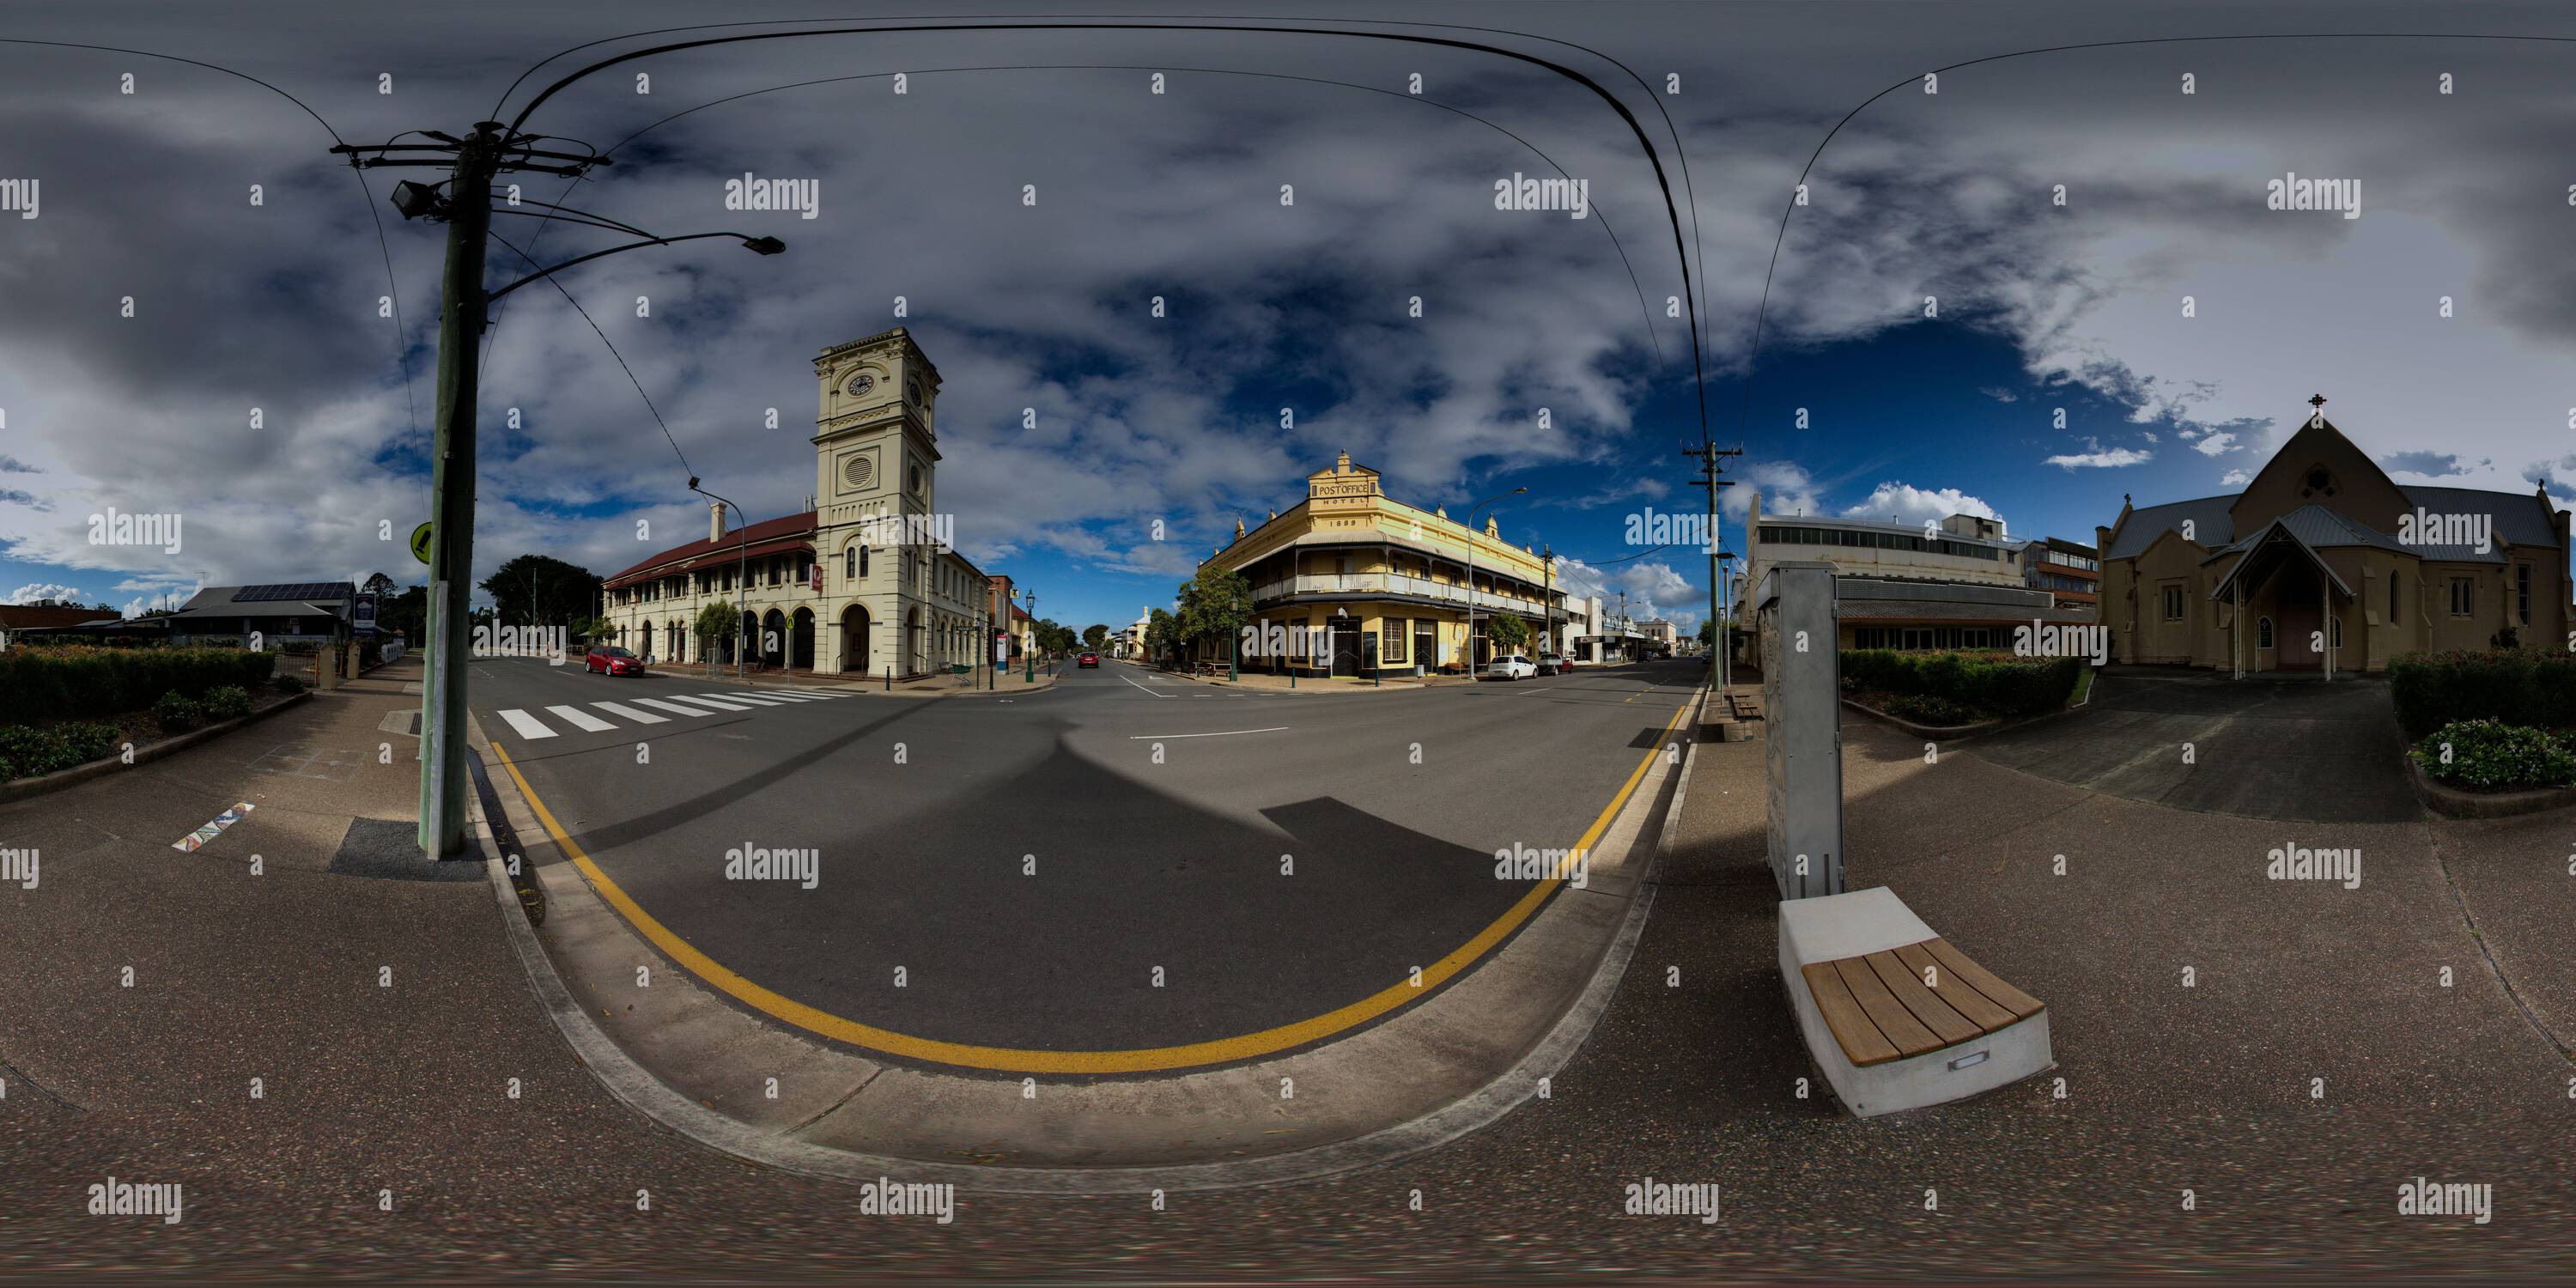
x=1510 y=667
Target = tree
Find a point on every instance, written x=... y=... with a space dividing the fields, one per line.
x=1054 y=636
x=407 y=612
x=378 y=585
x=1162 y=634
x=1214 y=605
x=716 y=624
x=1507 y=632
x=531 y=589
x=1095 y=636
x=1707 y=633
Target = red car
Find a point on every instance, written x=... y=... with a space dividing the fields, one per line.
x=1087 y=659
x=608 y=659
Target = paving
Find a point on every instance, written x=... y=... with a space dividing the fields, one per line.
x=2280 y=748
x=389 y=1142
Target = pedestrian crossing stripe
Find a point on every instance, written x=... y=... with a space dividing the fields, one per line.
x=190 y=842
x=529 y=726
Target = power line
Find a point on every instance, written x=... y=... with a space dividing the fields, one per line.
x=612 y=351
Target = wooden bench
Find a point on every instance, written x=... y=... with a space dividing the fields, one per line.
x=1895 y=1016
x=1746 y=705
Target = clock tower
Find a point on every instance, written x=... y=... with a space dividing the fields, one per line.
x=876 y=462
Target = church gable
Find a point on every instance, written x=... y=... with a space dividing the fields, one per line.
x=2319 y=466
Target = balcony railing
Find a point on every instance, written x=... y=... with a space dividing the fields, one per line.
x=1392 y=583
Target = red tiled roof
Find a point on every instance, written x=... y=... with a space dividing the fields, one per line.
x=17 y=617
x=790 y=527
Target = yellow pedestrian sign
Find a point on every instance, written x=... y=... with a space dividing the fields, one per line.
x=420 y=543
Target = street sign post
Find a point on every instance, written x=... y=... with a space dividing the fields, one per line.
x=362 y=615
x=1802 y=733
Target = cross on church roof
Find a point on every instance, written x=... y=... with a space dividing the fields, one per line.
x=2318 y=402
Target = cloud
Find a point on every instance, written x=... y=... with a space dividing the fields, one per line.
x=2147 y=434
x=12 y=465
x=16 y=496
x=33 y=591
x=2000 y=394
x=1907 y=504
x=2427 y=464
x=2236 y=478
x=2215 y=444
x=1783 y=486
x=2100 y=459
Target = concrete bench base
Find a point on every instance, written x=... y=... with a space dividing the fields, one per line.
x=1874 y=920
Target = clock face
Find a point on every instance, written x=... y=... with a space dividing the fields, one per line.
x=912 y=388
x=861 y=383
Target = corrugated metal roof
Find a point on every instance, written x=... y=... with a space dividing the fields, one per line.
x=2211 y=524
x=2521 y=518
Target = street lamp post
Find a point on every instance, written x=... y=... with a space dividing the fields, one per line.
x=1470 y=643
x=1030 y=654
x=473 y=162
x=741 y=575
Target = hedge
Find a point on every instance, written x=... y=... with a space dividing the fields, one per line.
x=2515 y=686
x=2490 y=756
x=1996 y=683
x=77 y=681
x=26 y=753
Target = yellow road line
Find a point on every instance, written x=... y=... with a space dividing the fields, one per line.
x=1009 y=1060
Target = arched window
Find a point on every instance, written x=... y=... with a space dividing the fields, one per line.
x=2393 y=618
x=863 y=561
x=850 y=564
x=2262 y=632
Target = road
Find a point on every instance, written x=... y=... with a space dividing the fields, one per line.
x=1123 y=862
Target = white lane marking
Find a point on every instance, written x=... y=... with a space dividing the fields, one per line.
x=527 y=725
x=582 y=720
x=720 y=704
x=1149 y=692
x=755 y=701
x=1221 y=733
x=639 y=717
x=788 y=695
x=820 y=693
x=674 y=707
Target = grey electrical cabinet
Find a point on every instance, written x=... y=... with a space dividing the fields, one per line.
x=1798 y=622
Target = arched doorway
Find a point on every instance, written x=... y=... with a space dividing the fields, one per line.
x=854 y=638
x=914 y=642
x=773 y=639
x=801 y=629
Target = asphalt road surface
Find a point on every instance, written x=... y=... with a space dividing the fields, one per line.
x=1124 y=861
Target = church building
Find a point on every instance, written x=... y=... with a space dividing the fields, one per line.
x=2324 y=563
x=867 y=581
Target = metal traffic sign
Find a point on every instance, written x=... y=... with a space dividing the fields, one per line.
x=420 y=543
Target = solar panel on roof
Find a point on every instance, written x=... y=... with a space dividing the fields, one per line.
x=294 y=590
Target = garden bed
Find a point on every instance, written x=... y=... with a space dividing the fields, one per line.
x=2490 y=769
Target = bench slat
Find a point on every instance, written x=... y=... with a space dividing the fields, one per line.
x=1893 y=1020
x=1977 y=1007
x=1861 y=1041
x=2021 y=1004
x=1947 y=1024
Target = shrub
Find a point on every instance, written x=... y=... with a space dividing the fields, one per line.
x=71 y=681
x=26 y=752
x=227 y=702
x=1923 y=708
x=2493 y=756
x=290 y=684
x=2520 y=687
x=175 y=712
x=1983 y=683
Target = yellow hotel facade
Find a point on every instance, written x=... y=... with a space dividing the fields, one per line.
x=1349 y=579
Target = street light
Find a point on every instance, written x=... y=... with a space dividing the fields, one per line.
x=473 y=162
x=1471 y=573
x=1031 y=653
